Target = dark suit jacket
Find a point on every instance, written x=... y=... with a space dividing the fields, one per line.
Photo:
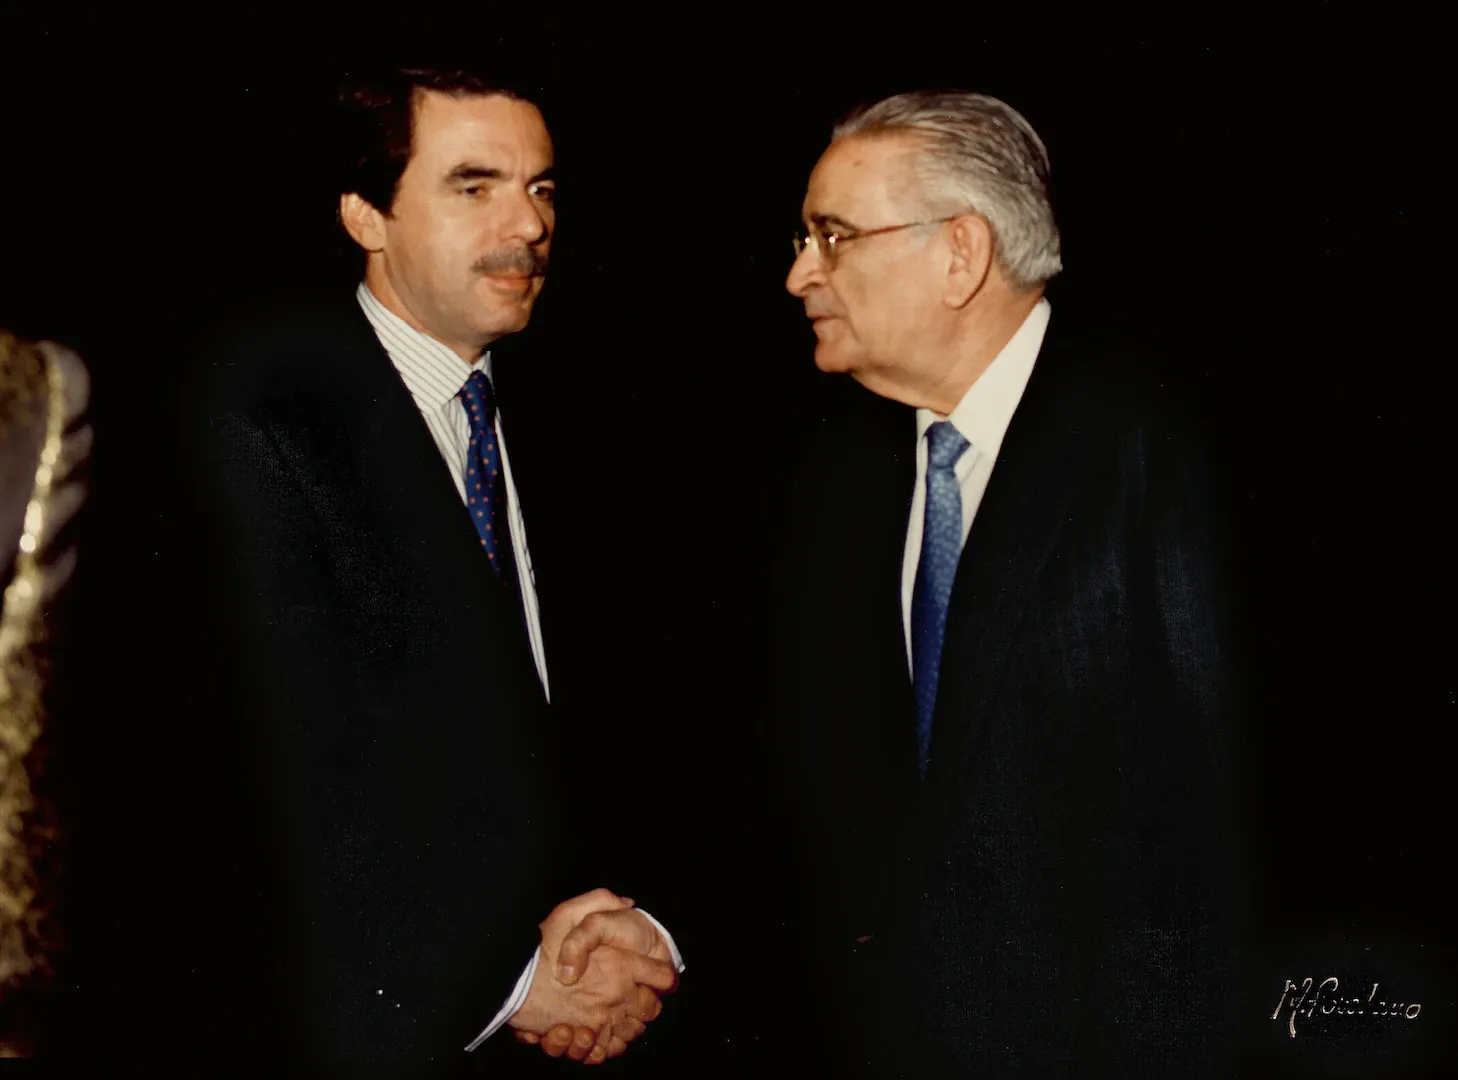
x=1058 y=895
x=407 y=828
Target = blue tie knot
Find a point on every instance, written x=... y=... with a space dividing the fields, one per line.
x=945 y=444
x=480 y=408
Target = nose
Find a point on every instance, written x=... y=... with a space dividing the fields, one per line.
x=805 y=273
x=527 y=220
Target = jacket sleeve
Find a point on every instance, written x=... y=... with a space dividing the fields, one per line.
x=1190 y=694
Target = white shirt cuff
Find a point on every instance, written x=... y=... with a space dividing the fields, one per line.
x=524 y=983
x=678 y=964
x=513 y=1003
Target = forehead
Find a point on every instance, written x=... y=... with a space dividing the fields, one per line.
x=496 y=130
x=860 y=175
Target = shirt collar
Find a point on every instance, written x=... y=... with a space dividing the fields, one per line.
x=431 y=372
x=986 y=409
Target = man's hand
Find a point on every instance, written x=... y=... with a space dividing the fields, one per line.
x=583 y=1044
x=593 y=1010
x=620 y=927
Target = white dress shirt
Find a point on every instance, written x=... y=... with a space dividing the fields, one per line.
x=434 y=375
x=982 y=417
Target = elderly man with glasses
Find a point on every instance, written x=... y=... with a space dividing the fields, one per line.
x=1002 y=663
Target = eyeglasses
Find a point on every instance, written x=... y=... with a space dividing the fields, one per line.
x=827 y=244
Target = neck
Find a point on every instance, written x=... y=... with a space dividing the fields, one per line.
x=975 y=341
x=377 y=280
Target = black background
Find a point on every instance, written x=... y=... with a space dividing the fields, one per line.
x=1255 y=199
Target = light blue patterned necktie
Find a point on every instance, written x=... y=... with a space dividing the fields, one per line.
x=941 y=548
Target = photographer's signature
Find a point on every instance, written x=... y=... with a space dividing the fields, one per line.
x=1300 y=1000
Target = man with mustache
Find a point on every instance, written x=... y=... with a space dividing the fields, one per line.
x=1002 y=659
x=415 y=829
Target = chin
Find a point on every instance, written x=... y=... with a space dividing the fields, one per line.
x=500 y=323
x=833 y=359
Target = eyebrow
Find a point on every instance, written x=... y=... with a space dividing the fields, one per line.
x=464 y=173
x=820 y=221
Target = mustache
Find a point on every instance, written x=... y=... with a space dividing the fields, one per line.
x=521 y=261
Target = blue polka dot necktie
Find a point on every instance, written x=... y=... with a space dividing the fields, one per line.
x=485 y=482
x=941 y=549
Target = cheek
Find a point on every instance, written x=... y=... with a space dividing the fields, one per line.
x=893 y=312
x=455 y=238
x=881 y=319
x=424 y=246
x=866 y=310
x=458 y=247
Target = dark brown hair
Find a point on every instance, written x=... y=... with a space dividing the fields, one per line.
x=377 y=122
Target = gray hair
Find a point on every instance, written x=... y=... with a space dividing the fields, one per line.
x=977 y=152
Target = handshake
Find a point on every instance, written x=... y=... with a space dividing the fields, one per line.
x=602 y=966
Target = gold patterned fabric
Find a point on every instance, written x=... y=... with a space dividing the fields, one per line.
x=44 y=442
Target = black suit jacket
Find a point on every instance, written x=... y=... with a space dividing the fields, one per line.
x=406 y=828
x=1059 y=894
